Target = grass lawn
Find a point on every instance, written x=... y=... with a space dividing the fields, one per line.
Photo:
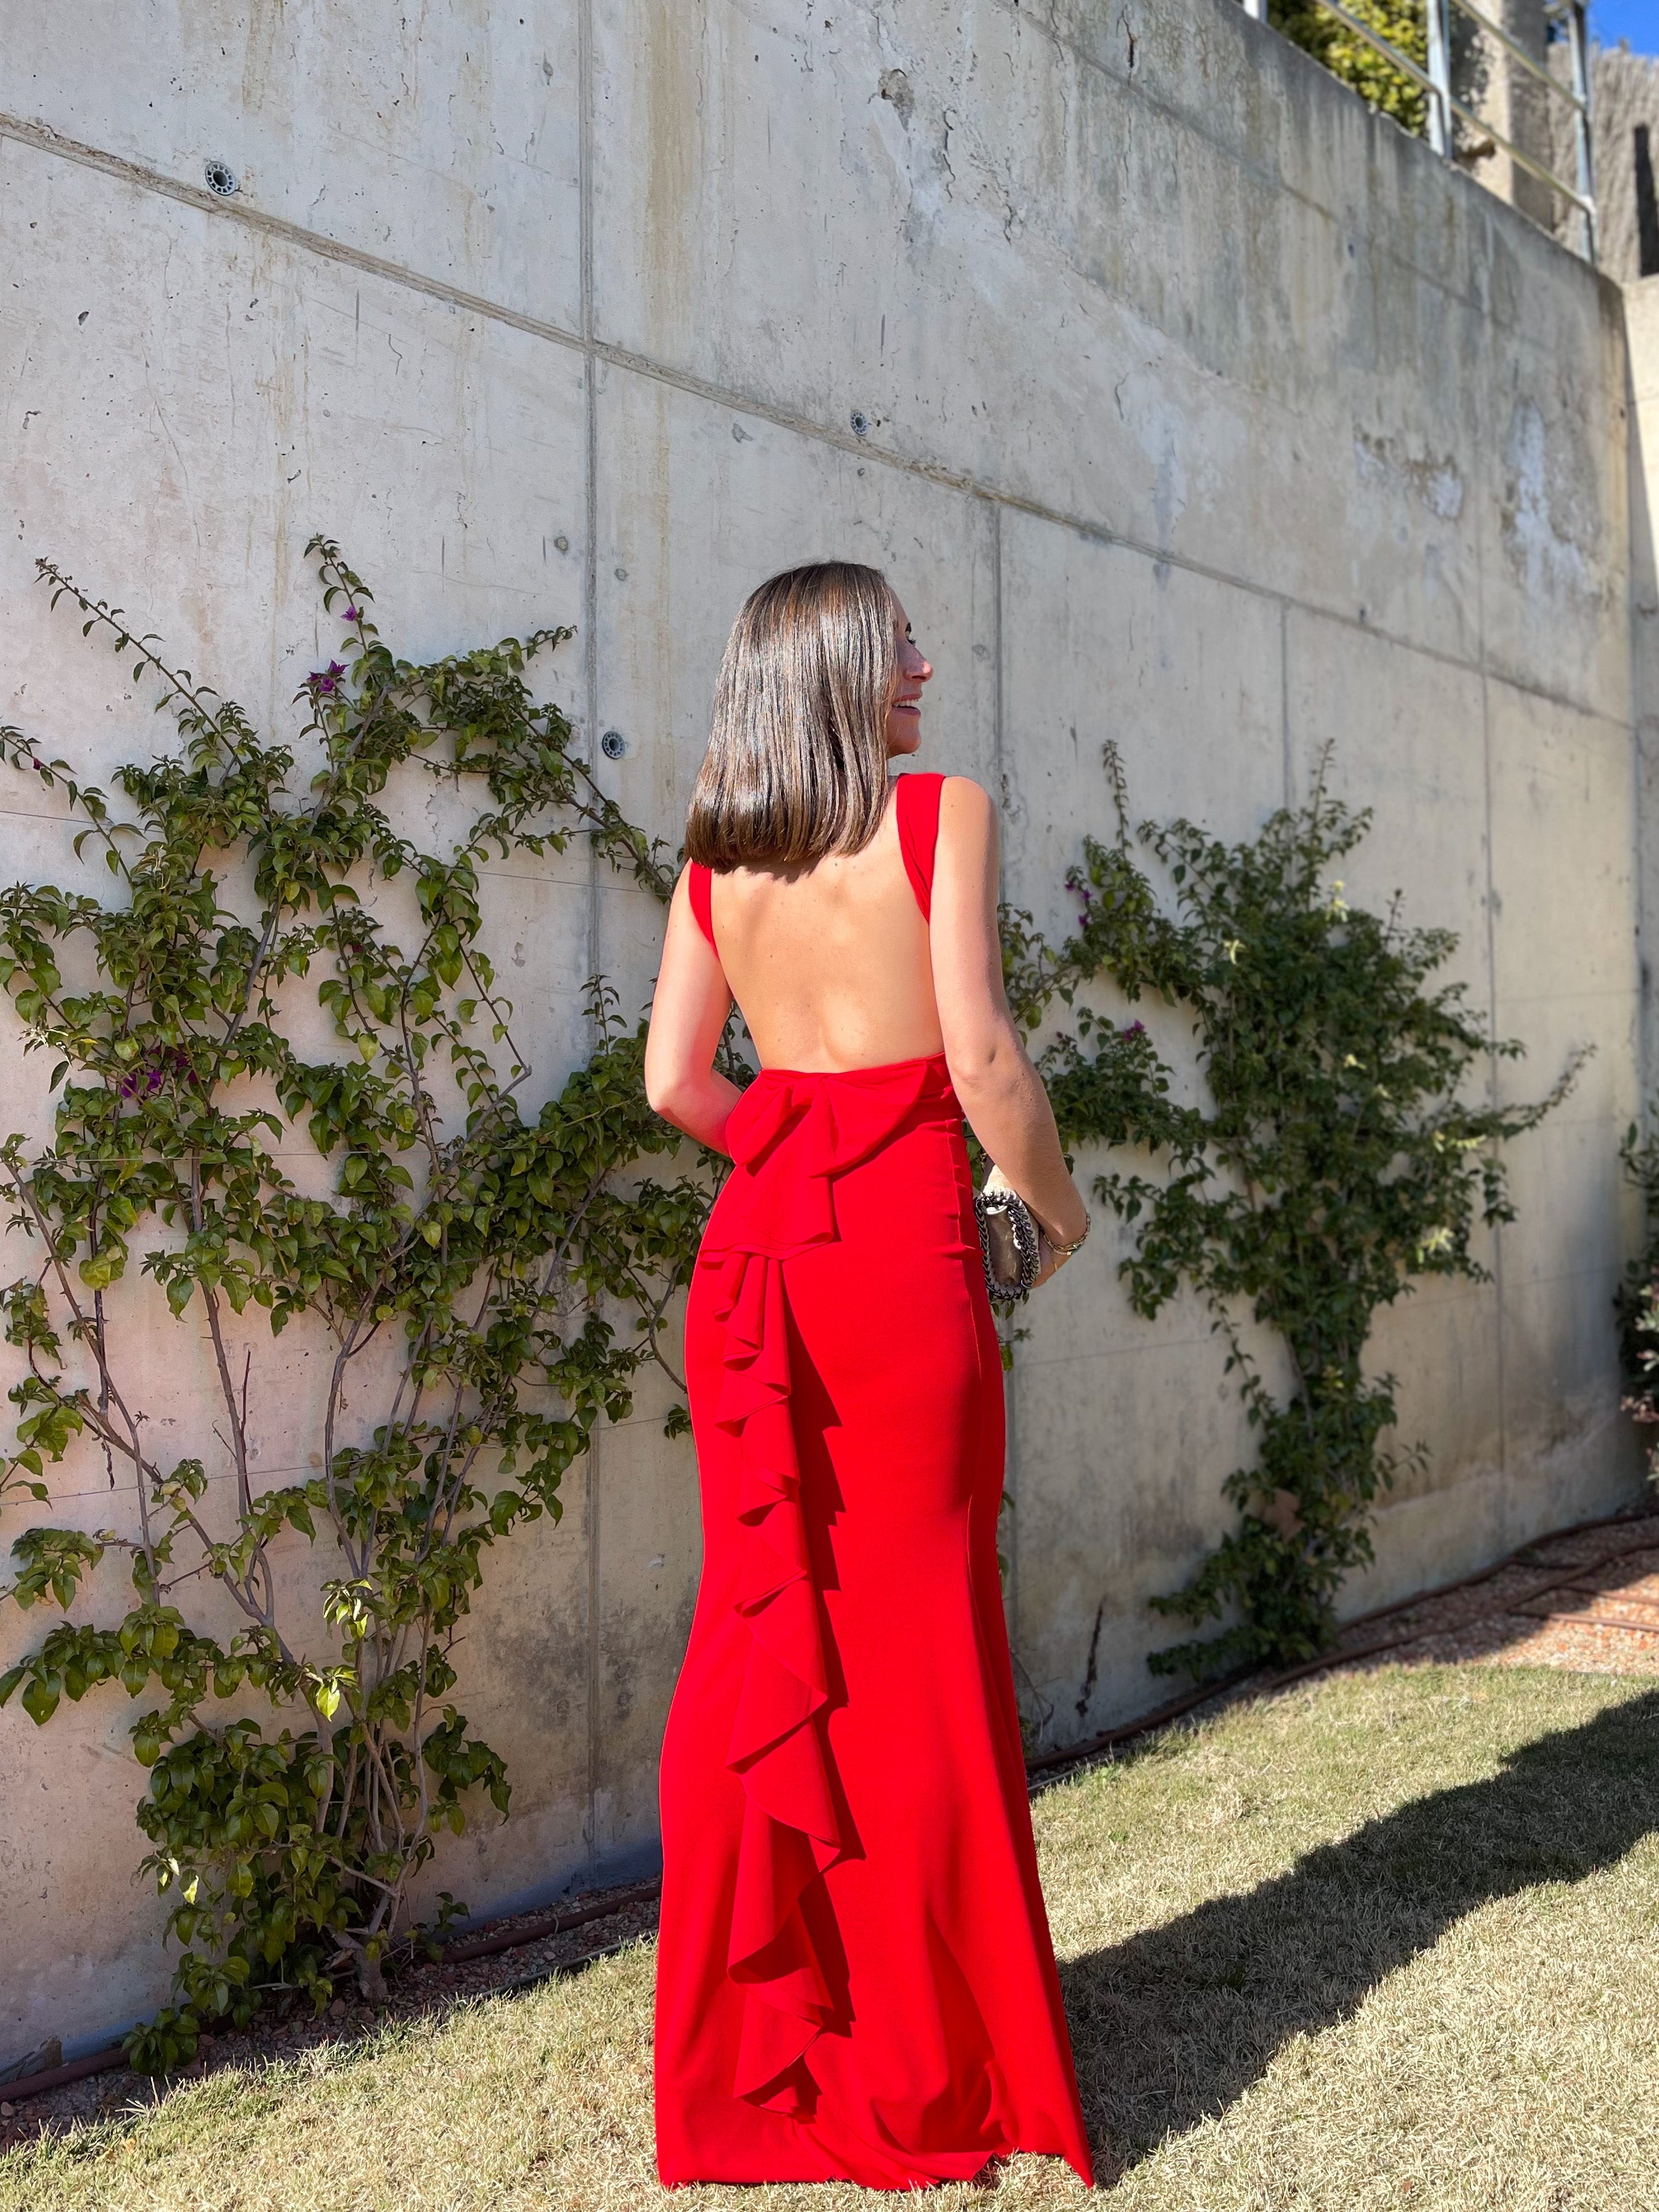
x=1390 y=1939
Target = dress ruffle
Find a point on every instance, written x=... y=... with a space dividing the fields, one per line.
x=790 y=1135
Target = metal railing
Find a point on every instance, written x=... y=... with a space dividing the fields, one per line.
x=1443 y=110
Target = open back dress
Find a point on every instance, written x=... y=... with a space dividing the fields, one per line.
x=854 y=1976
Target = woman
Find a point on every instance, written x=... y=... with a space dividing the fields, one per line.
x=855 y=1975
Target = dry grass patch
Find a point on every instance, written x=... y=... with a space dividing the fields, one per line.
x=1388 y=1940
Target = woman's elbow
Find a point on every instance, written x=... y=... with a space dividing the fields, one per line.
x=673 y=1094
x=664 y=1075
x=664 y=1090
x=984 y=1056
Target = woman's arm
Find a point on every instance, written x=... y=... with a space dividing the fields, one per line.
x=688 y=1014
x=1001 y=1093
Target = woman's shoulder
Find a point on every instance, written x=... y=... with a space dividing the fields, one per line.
x=696 y=880
x=930 y=805
x=965 y=806
x=960 y=793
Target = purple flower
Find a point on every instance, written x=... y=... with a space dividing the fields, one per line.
x=1135 y=1029
x=327 y=679
x=145 y=1082
x=352 y=614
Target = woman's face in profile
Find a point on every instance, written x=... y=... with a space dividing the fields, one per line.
x=911 y=672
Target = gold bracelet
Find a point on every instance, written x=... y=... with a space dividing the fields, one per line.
x=1063 y=1252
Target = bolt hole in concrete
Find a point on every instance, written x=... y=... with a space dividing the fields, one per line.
x=613 y=744
x=860 y=423
x=221 y=179
x=895 y=86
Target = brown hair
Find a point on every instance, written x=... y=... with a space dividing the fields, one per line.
x=797 y=759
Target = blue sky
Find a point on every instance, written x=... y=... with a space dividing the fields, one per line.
x=1634 y=20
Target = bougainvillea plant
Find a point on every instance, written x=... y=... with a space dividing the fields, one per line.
x=1337 y=1160
x=492 y=1273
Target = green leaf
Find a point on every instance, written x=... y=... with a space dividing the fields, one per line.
x=40 y=1698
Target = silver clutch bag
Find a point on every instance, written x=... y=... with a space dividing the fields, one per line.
x=1007 y=1240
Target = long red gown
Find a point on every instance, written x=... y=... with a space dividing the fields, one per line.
x=854 y=1977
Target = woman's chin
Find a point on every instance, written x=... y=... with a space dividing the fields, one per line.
x=903 y=735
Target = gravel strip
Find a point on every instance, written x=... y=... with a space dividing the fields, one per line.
x=1531 y=1613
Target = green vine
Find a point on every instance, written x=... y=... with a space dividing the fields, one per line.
x=1334 y=1164
x=470 y=1265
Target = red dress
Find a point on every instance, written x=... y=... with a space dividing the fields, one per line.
x=854 y=1978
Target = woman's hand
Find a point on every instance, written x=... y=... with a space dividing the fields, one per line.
x=1049 y=1263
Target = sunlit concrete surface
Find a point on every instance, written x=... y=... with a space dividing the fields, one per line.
x=1187 y=405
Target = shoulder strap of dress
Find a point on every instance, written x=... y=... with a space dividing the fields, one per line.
x=917 y=800
x=698 y=881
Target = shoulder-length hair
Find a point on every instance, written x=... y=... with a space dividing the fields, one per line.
x=797 y=759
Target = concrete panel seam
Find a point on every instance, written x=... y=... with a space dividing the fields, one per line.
x=1287 y=749
x=591 y=682
x=1501 y=1374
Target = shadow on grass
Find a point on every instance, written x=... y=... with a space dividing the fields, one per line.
x=1177 y=2023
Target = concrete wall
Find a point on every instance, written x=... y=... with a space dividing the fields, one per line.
x=1642 y=324
x=1624 y=98
x=1201 y=410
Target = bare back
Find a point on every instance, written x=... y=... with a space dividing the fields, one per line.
x=836 y=968
x=830 y=964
